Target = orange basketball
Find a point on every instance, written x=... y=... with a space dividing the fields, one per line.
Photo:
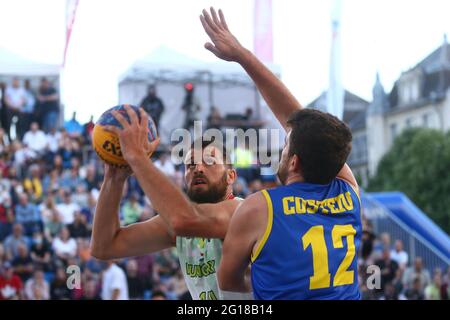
x=106 y=144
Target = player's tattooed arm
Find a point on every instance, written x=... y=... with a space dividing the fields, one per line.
x=226 y=47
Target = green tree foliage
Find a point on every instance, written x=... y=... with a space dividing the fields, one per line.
x=418 y=164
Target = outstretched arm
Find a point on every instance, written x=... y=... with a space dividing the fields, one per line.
x=183 y=217
x=225 y=46
x=109 y=239
x=280 y=100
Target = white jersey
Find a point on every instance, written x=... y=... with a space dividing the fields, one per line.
x=199 y=260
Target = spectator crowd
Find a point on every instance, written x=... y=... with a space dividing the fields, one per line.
x=49 y=184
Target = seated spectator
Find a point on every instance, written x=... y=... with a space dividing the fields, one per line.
x=433 y=291
x=92 y=178
x=6 y=214
x=94 y=265
x=388 y=269
x=58 y=164
x=71 y=179
x=51 y=182
x=416 y=271
x=5 y=183
x=53 y=226
x=53 y=139
x=14 y=240
x=165 y=165
x=4 y=141
x=58 y=287
x=132 y=186
x=178 y=287
x=90 y=291
x=46 y=208
x=28 y=215
x=390 y=293
x=145 y=267
x=131 y=209
x=255 y=186
x=84 y=251
x=67 y=209
x=64 y=246
x=80 y=196
x=11 y=286
x=37 y=288
x=3 y=256
x=22 y=155
x=78 y=229
x=381 y=244
x=136 y=285
x=89 y=210
x=35 y=139
x=33 y=185
x=23 y=265
x=415 y=292
x=40 y=252
x=166 y=265
x=446 y=284
x=114 y=283
x=399 y=255
x=367 y=240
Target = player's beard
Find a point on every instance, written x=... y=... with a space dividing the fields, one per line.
x=215 y=192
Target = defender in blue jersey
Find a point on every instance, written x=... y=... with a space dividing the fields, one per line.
x=301 y=238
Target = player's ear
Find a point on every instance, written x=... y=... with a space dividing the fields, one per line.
x=295 y=163
x=231 y=176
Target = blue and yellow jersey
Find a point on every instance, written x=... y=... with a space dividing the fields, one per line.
x=310 y=247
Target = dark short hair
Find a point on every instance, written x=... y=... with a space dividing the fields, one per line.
x=321 y=141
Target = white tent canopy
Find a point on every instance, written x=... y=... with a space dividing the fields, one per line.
x=219 y=83
x=165 y=64
x=12 y=64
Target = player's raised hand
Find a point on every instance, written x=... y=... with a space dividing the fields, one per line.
x=224 y=45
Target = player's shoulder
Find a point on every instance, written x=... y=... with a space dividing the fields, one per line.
x=253 y=202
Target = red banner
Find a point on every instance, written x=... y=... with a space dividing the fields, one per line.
x=263 y=39
x=71 y=11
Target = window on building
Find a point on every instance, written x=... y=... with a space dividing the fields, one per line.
x=406 y=93
x=414 y=91
x=359 y=150
x=426 y=120
x=393 y=131
x=409 y=122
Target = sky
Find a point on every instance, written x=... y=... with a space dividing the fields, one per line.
x=382 y=36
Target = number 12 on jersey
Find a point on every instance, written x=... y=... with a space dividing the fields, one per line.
x=315 y=238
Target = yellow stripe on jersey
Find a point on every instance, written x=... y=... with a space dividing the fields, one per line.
x=268 y=227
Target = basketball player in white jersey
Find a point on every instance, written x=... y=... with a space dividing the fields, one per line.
x=195 y=227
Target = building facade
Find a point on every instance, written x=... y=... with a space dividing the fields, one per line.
x=419 y=98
